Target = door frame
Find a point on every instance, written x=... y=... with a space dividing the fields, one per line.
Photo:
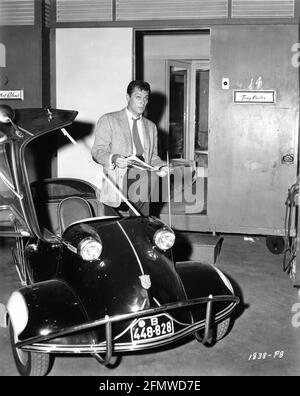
x=195 y=65
x=190 y=100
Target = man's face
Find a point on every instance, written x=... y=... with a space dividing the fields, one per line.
x=137 y=102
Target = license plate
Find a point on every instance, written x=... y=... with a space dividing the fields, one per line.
x=151 y=327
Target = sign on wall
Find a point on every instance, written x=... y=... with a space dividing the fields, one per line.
x=252 y=96
x=12 y=94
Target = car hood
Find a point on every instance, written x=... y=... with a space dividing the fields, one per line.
x=131 y=274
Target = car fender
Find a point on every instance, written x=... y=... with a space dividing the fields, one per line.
x=43 y=308
x=208 y=278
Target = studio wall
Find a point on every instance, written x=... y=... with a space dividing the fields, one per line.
x=93 y=68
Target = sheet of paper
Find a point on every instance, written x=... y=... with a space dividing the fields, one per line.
x=137 y=163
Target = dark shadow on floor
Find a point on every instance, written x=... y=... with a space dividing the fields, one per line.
x=182 y=248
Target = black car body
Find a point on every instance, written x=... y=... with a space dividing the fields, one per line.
x=93 y=284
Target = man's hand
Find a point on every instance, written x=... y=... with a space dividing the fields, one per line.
x=162 y=172
x=120 y=161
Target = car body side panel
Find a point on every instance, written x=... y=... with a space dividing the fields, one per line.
x=52 y=305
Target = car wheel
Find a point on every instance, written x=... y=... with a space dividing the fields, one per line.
x=29 y=363
x=218 y=332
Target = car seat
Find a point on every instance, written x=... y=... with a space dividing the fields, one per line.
x=72 y=209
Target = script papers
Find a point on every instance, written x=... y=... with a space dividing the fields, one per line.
x=137 y=163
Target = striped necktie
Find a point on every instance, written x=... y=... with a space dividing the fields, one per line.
x=136 y=138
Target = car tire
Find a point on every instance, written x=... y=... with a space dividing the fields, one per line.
x=32 y=364
x=219 y=331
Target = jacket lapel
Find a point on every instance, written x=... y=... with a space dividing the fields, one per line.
x=126 y=128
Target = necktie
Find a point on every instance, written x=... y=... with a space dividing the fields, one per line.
x=136 y=138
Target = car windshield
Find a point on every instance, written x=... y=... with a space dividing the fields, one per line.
x=18 y=164
x=10 y=200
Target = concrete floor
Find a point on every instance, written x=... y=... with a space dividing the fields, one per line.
x=264 y=325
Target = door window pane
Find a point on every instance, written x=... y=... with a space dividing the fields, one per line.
x=177 y=112
x=201 y=118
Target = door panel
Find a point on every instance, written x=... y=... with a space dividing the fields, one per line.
x=248 y=176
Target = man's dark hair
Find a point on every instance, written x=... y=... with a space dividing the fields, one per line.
x=142 y=85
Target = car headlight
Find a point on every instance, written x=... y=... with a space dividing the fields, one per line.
x=89 y=249
x=164 y=238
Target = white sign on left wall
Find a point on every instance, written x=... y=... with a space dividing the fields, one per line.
x=12 y=94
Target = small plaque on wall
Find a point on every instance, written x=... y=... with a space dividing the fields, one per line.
x=252 y=96
x=12 y=94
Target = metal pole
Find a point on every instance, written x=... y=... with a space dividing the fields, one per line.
x=169 y=190
x=207 y=319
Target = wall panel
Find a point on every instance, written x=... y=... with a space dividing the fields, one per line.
x=22 y=45
x=93 y=69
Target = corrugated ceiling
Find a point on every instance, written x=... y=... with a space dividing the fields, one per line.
x=83 y=10
x=13 y=12
x=170 y=9
x=21 y=12
x=263 y=9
